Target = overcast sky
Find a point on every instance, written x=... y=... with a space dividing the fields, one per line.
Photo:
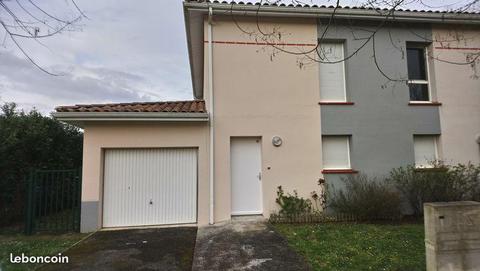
x=125 y=51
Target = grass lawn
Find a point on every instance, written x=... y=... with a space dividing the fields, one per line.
x=358 y=246
x=35 y=245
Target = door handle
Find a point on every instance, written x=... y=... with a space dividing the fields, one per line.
x=259 y=176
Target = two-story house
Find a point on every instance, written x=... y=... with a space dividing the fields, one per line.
x=284 y=95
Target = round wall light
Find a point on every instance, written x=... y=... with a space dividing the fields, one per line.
x=277 y=141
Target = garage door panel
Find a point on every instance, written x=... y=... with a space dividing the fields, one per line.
x=150 y=187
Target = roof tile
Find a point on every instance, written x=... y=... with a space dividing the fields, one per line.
x=194 y=106
x=273 y=4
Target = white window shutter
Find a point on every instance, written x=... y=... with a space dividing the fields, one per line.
x=332 y=75
x=336 y=152
x=425 y=148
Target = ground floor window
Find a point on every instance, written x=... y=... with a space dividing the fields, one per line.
x=336 y=152
x=425 y=148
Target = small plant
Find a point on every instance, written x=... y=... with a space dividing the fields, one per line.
x=292 y=204
x=320 y=199
x=366 y=199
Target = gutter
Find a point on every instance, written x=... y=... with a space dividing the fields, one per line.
x=130 y=116
x=211 y=110
x=343 y=13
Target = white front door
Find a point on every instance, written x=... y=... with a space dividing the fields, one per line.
x=149 y=187
x=246 y=175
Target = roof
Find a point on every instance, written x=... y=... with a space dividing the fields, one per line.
x=195 y=106
x=195 y=12
x=313 y=6
x=174 y=111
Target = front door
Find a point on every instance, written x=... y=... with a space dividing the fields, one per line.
x=246 y=175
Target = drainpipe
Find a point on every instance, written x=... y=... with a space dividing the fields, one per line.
x=211 y=107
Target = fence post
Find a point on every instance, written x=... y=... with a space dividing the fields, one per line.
x=29 y=208
x=79 y=199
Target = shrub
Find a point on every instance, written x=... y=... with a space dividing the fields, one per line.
x=366 y=199
x=468 y=179
x=292 y=204
x=440 y=183
x=31 y=141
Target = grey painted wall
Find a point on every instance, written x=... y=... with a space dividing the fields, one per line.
x=381 y=123
x=89 y=216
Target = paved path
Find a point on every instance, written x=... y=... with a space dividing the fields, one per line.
x=138 y=249
x=244 y=244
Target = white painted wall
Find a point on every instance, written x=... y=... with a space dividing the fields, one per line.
x=458 y=89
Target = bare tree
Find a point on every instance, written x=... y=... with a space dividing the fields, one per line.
x=385 y=8
x=23 y=20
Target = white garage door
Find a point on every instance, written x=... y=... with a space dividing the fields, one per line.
x=149 y=187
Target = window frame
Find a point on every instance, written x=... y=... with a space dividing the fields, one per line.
x=427 y=82
x=349 y=163
x=435 y=144
x=345 y=100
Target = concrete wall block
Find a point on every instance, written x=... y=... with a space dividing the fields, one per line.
x=452 y=236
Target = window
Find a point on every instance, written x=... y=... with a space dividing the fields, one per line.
x=418 y=73
x=332 y=75
x=425 y=148
x=336 y=152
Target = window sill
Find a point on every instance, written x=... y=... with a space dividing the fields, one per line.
x=425 y=103
x=339 y=171
x=336 y=103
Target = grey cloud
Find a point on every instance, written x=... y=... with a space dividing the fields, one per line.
x=81 y=85
x=125 y=52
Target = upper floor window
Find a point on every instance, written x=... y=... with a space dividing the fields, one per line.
x=425 y=149
x=418 y=73
x=332 y=72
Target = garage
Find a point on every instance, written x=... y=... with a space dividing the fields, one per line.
x=149 y=186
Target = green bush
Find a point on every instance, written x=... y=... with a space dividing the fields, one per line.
x=292 y=204
x=468 y=179
x=366 y=199
x=437 y=184
x=31 y=141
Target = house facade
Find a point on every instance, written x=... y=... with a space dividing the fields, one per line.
x=275 y=107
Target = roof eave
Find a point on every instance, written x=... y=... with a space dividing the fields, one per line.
x=197 y=80
x=80 y=118
x=343 y=13
x=189 y=47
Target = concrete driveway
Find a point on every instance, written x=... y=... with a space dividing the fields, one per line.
x=133 y=249
x=244 y=244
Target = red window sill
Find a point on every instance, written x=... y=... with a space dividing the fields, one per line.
x=339 y=171
x=425 y=103
x=336 y=103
